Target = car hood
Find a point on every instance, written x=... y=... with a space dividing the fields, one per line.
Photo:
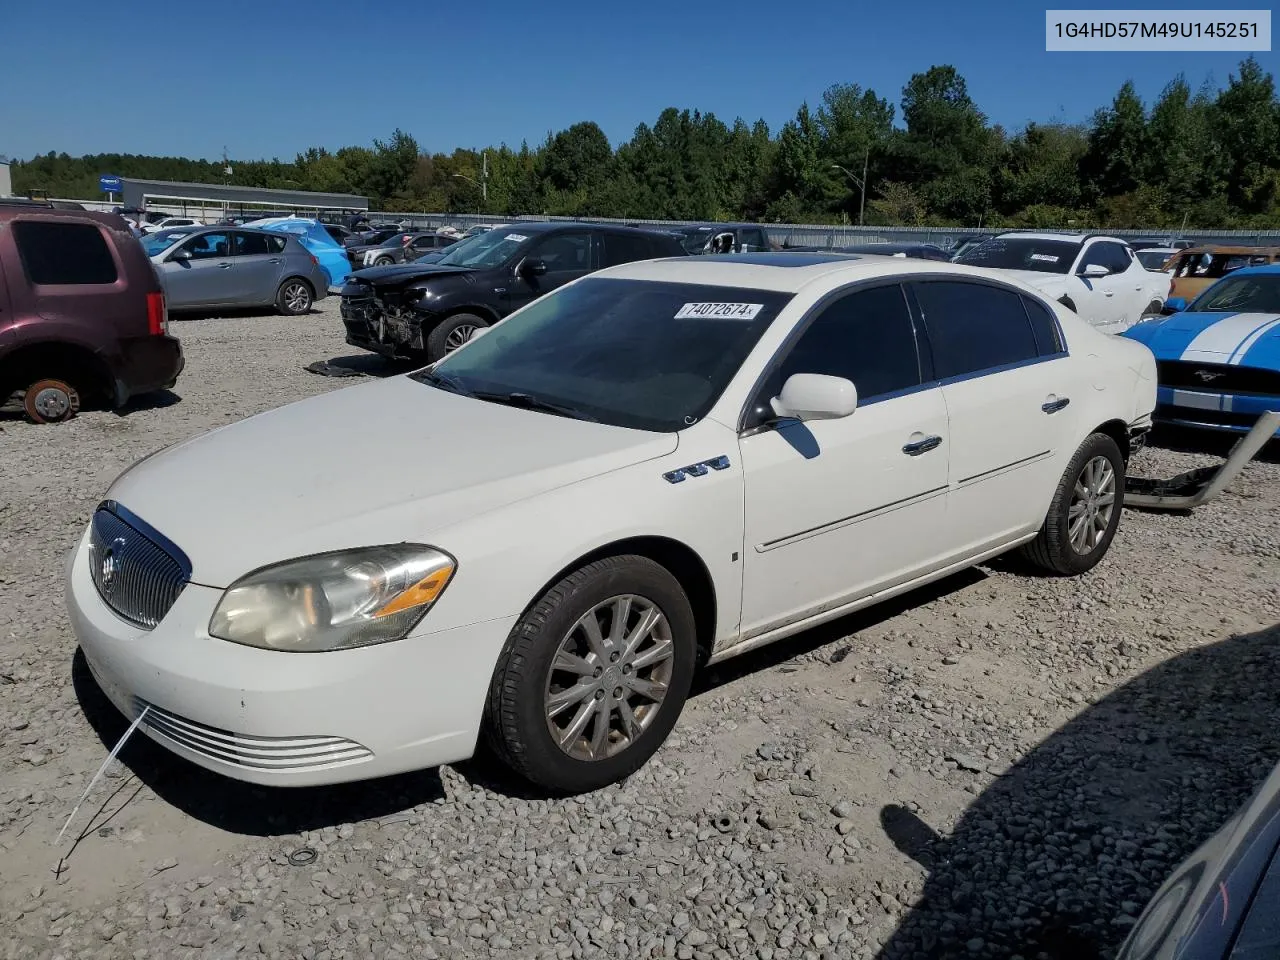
x=384 y=462
x=1252 y=339
x=401 y=273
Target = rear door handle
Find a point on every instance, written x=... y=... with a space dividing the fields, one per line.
x=277 y=259
x=1108 y=293
x=1054 y=404
x=923 y=445
x=224 y=266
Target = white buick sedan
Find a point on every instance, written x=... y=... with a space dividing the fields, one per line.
x=542 y=537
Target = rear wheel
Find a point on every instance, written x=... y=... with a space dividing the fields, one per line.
x=294 y=297
x=1085 y=511
x=452 y=333
x=51 y=401
x=383 y=262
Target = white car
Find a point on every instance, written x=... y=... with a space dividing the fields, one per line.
x=169 y=223
x=656 y=466
x=1156 y=258
x=1098 y=277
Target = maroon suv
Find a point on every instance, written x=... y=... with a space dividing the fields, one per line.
x=82 y=314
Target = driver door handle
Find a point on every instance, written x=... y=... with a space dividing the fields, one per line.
x=224 y=266
x=277 y=259
x=1054 y=404
x=923 y=445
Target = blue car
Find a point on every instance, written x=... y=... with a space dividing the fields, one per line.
x=1219 y=357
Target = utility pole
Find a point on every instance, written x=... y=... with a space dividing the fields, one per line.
x=484 y=179
x=860 y=183
x=226 y=167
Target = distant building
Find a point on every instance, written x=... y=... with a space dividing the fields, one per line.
x=6 y=183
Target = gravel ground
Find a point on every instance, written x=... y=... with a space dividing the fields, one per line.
x=1001 y=766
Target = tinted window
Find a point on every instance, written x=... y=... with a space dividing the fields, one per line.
x=1113 y=256
x=564 y=252
x=1044 y=326
x=1259 y=293
x=633 y=353
x=55 y=252
x=207 y=245
x=974 y=326
x=865 y=337
x=277 y=244
x=250 y=244
x=755 y=239
x=626 y=247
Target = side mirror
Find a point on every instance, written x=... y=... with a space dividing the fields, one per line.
x=180 y=255
x=815 y=396
x=1175 y=305
x=533 y=267
x=1095 y=270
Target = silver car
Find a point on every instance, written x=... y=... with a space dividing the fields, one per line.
x=204 y=267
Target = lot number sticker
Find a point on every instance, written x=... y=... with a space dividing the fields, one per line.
x=1045 y=257
x=517 y=237
x=727 y=311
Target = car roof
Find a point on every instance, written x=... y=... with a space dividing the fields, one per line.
x=782 y=271
x=1263 y=269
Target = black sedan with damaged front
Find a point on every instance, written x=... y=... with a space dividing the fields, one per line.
x=421 y=311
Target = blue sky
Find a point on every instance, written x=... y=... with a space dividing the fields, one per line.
x=272 y=78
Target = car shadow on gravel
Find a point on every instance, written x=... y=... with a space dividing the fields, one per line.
x=245 y=808
x=1056 y=858
x=368 y=365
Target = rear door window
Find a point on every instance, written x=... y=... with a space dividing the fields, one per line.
x=276 y=244
x=55 y=252
x=974 y=327
x=250 y=244
x=626 y=248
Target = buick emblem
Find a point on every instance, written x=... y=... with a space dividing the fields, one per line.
x=1207 y=375
x=111 y=564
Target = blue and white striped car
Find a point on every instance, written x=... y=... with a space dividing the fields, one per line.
x=1219 y=357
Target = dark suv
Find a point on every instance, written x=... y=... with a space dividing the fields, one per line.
x=421 y=311
x=82 y=315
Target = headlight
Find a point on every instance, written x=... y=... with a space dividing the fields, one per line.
x=334 y=601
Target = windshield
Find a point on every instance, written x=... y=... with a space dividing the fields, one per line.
x=1249 y=294
x=484 y=249
x=632 y=353
x=162 y=240
x=1153 y=259
x=1022 y=253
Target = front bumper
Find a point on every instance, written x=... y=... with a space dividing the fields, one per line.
x=1212 y=410
x=397 y=333
x=287 y=719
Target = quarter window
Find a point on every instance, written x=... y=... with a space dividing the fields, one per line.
x=974 y=327
x=276 y=244
x=64 y=253
x=866 y=337
x=1044 y=326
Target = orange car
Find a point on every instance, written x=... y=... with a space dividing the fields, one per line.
x=1196 y=269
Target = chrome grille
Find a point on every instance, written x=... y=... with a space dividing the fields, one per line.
x=258 y=753
x=136 y=570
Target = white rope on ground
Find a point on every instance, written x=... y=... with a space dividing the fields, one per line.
x=101 y=770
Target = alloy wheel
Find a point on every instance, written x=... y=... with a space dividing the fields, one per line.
x=609 y=677
x=459 y=335
x=1092 y=503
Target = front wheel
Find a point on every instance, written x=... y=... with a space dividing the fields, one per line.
x=294 y=297
x=383 y=262
x=593 y=676
x=452 y=333
x=1085 y=511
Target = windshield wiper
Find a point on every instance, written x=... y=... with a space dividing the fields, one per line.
x=443 y=383
x=529 y=402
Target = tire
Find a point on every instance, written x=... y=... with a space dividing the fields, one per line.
x=51 y=401
x=451 y=333
x=383 y=262
x=295 y=297
x=1063 y=548
x=520 y=716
